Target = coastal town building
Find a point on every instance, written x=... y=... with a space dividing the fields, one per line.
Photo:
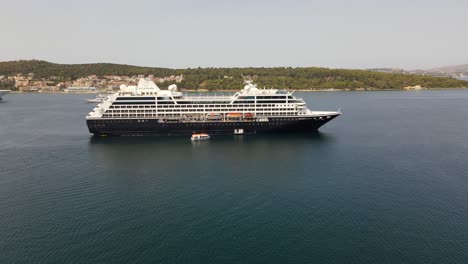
x=106 y=83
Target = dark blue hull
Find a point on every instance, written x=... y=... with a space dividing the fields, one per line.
x=137 y=127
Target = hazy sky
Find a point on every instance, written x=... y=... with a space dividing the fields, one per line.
x=330 y=33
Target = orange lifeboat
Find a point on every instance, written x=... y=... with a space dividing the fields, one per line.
x=234 y=115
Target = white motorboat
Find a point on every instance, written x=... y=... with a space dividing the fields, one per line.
x=200 y=137
x=3 y=92
x=99 y=99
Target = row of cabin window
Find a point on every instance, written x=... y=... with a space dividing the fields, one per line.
x=265 y=97
x=239 y=102
x=188 y=103
x=273 y=97
x=179 y=115
x=126 y=121
x=185 y=103
x=216 y=123
x=196 y=106
x=202 y=102
x=134 y=98
x=207 y=102
x=266 y=101
x=200 y=110
x=214 y=109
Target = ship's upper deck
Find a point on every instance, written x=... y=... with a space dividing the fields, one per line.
x=149 y=88
x=148 y=100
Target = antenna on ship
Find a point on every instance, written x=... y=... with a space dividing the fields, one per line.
x=245 y=79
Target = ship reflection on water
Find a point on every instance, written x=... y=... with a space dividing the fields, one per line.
x=176 y=167
x=144 y=151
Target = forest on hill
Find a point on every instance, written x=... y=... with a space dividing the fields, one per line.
x=231 y=78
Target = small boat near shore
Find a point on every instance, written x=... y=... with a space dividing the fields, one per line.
x=3 y=92
x=99 y=99
x=200 y=137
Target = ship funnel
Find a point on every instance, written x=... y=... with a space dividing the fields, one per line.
x=145 y=85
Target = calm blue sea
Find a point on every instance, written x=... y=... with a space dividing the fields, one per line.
x=386 y=182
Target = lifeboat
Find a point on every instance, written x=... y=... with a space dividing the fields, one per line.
x=234 y=115
x=214 y=116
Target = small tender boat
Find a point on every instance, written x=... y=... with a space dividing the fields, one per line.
x=3 y=92
x=99 y=99
x=238 y=131
x=200 y=137
x=94 y=101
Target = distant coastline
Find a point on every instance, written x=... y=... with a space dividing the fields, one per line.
x=42 y=76
x=233 y=91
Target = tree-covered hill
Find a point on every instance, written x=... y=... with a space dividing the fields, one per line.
x=230 y=78
x=312 y=78
x=44 y=69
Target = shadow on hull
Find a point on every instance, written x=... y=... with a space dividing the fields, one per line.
x=152 y=127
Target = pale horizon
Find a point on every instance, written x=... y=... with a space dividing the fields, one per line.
x=312 y=66
x=181 y=34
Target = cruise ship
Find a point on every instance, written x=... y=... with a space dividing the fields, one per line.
x=147 y=110
x=3 y=92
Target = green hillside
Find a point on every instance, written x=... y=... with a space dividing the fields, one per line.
x=230 y=78
x=44 y=69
